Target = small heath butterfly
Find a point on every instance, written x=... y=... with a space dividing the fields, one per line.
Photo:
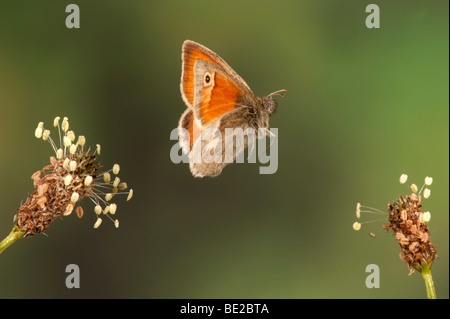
x=218 y=100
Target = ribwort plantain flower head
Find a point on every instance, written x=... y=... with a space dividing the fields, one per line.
x=74 y=173
x=409 y=224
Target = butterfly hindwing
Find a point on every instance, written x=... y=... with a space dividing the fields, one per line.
x=212 y=153
x=188 y=130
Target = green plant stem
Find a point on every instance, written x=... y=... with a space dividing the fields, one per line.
x=11 y=238
x=429 y=284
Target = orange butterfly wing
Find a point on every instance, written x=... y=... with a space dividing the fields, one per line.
x=191 y=53
x=215 y=92
x=224 y=92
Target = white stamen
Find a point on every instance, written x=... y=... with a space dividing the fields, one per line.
x=123 y=186
x=116 y=182
x=73 y=149
x=88 y=180
x=130 y=195
x=81 y=140
x=67 y=141
x=98 y=209
x=45 y=135
x=69 y=210
x=68 y=180
x=403 y=178
x=59 y=153
x=116 y=169
x=98 y=222
x=38 y=132
x=65 y=124
x=66 y=163
x=72 y=166
x=71 y=135
x=112 y=209
x=107 y=177
x=74 y=198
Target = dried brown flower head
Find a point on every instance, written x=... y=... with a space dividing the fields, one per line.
x=409 y=224
x=74 y=173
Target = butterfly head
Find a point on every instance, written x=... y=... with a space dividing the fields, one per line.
x=269 y=103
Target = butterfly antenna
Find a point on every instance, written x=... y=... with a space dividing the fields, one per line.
x=279 y=93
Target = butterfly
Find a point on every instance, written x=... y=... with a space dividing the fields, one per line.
x=217 y=100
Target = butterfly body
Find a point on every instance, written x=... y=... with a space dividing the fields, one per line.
x=217 y=98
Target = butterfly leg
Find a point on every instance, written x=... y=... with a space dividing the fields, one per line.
x=270 y=135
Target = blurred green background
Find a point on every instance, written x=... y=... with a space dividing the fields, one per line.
x=364 y=106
